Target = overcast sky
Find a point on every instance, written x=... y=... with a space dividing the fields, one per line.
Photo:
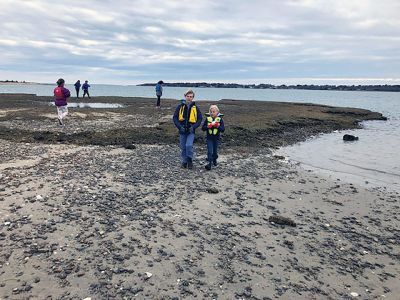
x=250 y=41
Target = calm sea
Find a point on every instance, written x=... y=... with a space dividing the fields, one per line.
x=372 y=161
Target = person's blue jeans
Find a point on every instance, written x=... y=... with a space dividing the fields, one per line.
x=186 y=143
x=212 y=149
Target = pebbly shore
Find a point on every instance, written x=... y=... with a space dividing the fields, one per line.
x=101 y=209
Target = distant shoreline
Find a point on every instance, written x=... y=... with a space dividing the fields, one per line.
x=326 y=87
x=2 y=82
x=367 y=88
x=23 y=83
x=16 y=82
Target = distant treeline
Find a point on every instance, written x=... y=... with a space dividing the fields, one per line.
x=380 y=88
x=12 y=81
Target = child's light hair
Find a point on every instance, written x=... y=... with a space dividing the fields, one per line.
x=213 y=106
x=189 y=92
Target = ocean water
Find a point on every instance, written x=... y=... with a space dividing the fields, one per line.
x=372 y=161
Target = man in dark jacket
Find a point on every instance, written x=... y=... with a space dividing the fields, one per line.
x=77 y=88
x=187 y=118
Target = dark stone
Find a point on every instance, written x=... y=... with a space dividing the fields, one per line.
x=212 y=190
x=349 y=137
x=282 y=220
x=289 y=244
x=61 y=138
x=279 y=157
x=38 y=136
x=129 y=146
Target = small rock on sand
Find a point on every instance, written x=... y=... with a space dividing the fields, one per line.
x=354 y=294
x=282 y=220
x=212 y=190
x=279 y=157
x=129 y=146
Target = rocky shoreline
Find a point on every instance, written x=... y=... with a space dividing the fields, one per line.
x=102 y=210
x=254 y=124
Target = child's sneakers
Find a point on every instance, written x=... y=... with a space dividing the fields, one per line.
x=60 y=122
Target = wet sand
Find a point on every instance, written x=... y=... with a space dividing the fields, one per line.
x=82 y=216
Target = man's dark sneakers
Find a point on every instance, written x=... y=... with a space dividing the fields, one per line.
x=215 y=162
x=184 y=165
x=190 y=163
x=208 y=167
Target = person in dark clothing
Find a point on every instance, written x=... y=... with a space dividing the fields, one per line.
x=213 y=125
x=77 y=88
x=187 y=118
x=159 y=91
x=85 y=88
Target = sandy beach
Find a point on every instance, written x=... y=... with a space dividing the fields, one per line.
x=102 y=209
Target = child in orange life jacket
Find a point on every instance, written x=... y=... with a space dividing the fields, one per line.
x=60 y=99
x=213 y=125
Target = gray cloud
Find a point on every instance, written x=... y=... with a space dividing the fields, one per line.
x=136 y=41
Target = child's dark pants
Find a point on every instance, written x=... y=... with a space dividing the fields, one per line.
x=212 y=149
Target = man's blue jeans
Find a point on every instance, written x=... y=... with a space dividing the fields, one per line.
x=186 y=143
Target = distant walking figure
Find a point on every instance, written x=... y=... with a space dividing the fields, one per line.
x=85 y=88
x=60 y=100
x=159 y=91
x=77 y=88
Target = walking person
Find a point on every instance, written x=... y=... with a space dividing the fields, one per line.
x=77 y=88
x=187 y=118
x=159 y=91
x=85 y=88
x=60 y=100
x=213 y=125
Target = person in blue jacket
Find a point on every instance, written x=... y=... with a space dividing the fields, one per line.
x=159 y=91
x=213 y=125
x=187 y=118
x=85 y=88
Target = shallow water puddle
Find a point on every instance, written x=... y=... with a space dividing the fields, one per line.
x=93 y=105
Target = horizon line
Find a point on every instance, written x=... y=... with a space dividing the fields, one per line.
x=285 y=81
